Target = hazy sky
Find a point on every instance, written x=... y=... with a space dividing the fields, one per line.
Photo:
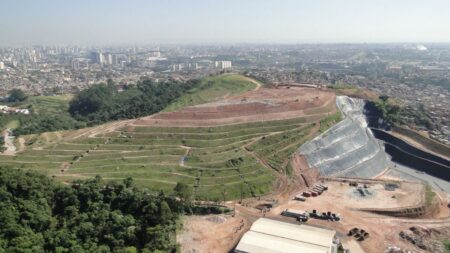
x=109 y=22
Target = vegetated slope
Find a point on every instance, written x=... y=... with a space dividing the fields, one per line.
x=41 y=107
x=428 y=143
x=353 y=91
x=103 y=103
x=98 y=104
x=38 y=214
x=213 y=88
x=49 y=104
x=47 y=113
x=219 y=161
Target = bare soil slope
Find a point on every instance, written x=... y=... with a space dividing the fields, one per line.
x=258 y=105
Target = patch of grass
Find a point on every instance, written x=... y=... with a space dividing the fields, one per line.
x=429 y=195
x=446 y=245
x=48 y=104
x=277 y=149
x=13 y=124
x=329 y=121
x=211 y=89
x=427 y=142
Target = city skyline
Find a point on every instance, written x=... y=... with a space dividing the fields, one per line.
x=48 y=22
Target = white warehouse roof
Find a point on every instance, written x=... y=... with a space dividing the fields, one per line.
x=271 y=236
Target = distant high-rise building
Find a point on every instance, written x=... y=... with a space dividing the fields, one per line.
x=101 y=59
x=193 y=66
x=177 y=67
x=115 y=60
x=109 y=59
x=76 y=64
x=156 y=54
x=223 y=64
x=98 y=58
x=2 y=65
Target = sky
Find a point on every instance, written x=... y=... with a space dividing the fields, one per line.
x=118 y=22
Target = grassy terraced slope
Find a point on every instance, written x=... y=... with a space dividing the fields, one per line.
x=219 y=162
x=49 y=104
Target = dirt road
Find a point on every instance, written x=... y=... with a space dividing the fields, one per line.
x=9 y=143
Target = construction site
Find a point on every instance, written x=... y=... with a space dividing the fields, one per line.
x=342 y=180
x=297 y=155
x=259 y=105
x=386 y=211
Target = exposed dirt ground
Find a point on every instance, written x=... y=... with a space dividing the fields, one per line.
x=10 y=148
x=345 y=201
x=209 y=234
x=341 y=199
x=258 y=105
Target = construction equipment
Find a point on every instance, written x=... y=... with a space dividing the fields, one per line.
x=300 y=198
x=294 y=213
x=306 y=194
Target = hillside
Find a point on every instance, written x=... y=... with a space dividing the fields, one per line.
x=214 y=88
x=48 y=104
x=228 y=149
x=39 y=105
x=417 y=139
x=40 y=215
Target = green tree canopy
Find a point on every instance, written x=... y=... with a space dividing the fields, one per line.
x=183 y=191
x=102 y=102
x=38 y=214
x=16 y=95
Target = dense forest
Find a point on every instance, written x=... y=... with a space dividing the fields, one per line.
x=99 y=104
x=38 y=214
x=102 y=103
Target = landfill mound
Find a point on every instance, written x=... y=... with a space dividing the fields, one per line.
x=264 y=104
x=349 y=148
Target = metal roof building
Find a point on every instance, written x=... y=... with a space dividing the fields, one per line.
x=271 y=236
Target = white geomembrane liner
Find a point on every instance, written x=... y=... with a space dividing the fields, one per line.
x=347 y=149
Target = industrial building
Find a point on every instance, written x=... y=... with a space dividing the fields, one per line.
x=270 y=236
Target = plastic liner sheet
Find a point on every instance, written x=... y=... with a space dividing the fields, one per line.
x=348 y=149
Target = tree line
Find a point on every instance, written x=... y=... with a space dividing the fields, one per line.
x=99 y=104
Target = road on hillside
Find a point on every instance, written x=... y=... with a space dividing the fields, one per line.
x=9 y=142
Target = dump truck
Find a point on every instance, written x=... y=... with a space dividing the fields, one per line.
x=294 y=213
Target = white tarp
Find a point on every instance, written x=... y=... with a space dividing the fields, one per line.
x=348 y=149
